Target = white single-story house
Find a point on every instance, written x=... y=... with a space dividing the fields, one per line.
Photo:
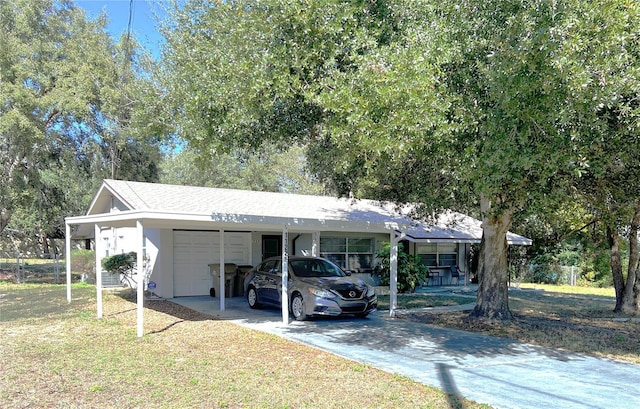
x=184 y=236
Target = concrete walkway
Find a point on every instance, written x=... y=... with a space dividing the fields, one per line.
x=495 y=371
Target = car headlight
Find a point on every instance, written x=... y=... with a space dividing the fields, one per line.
x=319 y=292
x=370 y=291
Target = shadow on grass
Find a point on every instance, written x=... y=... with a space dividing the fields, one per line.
x=180 y=313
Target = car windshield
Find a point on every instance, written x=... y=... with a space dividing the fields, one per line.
x=315 y=268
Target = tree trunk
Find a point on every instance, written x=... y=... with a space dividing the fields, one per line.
x=45 y=244
x=493 y=293
x=4 y=219
x=480 y=258
x=616 y=265
x=630 y=297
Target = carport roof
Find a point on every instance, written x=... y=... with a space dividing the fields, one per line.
x=190 y=206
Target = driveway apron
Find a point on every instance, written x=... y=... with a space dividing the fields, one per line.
x=496 y=371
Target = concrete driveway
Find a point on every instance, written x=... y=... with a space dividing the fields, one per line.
x=495 y=371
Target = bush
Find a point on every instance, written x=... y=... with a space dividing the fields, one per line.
x=83 y=262
x=411 y=271
x=545 y=269
x=121 y=264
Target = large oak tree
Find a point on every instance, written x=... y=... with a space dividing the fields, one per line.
x=74 y=107
x=489 y=107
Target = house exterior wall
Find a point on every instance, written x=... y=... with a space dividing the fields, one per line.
x=159 y=247
x=120 y=240
x=117 y=205
x=163 y=267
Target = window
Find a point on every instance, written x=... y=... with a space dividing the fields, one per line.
x=430 y=260
x=444 y=254
x=354 y=254
x=107 y=246
x=271 y=266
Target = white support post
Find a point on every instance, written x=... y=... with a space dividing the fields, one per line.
x=67 y=256
x=222 y=277
x=285 y=275
x=140 y=280
x=96 y=230
x=465 y=280
x=315 y=244
x=393 y=279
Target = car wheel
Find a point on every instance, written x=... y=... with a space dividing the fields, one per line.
x=297 y=308
x=252 y=298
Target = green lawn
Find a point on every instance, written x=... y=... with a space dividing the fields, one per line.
x=58 y=355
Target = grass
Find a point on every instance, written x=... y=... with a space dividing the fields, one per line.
x=33 y=270
x=568 y=289
x=422 y=300
x=58 y=355
x=55 y=354
x=579 y=319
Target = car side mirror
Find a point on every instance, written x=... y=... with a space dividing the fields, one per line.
x=348 y=272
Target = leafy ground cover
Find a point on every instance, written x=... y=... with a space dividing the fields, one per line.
x=58 y=355
x=579 y=319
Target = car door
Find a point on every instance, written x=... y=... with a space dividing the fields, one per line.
x=272 y=283
x=262 y=279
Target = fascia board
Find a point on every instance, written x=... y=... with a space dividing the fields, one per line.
x=128 y=218
x=512 y=239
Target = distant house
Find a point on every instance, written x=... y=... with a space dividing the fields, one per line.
x=189 y=233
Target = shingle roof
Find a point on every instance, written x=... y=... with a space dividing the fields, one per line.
x=457 y=227
x=205 y=201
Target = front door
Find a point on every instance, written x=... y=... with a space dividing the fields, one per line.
x=271 y=246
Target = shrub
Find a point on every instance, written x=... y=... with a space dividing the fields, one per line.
x=83 y=262
x=411 y=271
x=121 y=264
x=545 y=270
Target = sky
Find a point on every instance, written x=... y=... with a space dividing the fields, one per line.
x=143 y=25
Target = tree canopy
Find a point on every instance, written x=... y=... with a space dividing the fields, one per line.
x=72 y=112
x=498 y=108
x=515 y=112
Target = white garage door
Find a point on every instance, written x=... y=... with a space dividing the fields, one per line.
x=193 y=251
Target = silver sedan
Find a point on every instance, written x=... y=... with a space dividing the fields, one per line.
x=316 y=287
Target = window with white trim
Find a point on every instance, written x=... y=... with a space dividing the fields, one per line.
x=438 y=254
x=350 y=253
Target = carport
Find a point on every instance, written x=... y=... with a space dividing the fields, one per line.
x=145 y=207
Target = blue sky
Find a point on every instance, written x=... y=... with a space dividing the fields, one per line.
x=144 y=24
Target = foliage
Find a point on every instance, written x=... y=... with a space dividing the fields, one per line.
x=123 y=265
x=272 y=170
x=499 y=107
x=74 y=111
x=545 y=269
x=411 y=271
x=83 y=261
